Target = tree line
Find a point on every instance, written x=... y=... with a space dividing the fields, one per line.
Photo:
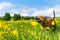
x=15 y=17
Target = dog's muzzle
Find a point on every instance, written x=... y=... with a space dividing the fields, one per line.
x=37 y=19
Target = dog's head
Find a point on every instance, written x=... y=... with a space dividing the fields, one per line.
x=40 y=19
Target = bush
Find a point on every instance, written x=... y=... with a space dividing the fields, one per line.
x=7 y=17
x=16 y=17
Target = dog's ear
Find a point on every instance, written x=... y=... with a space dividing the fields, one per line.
x=43 y=18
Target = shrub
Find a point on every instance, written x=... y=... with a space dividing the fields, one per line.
x=7 y=17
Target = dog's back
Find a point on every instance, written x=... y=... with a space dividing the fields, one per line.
x=46 y=22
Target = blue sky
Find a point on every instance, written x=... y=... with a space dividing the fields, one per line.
x=30 y=7
x=34 y=3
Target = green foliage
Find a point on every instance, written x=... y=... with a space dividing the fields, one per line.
x=7 y=17
x=16 y=17
x=27 y=17
x=19 y=17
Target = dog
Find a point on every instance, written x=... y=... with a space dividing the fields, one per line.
x=47 y=22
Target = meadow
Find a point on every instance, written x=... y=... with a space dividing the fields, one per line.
x=27 y=30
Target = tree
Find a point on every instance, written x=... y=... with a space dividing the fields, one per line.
x=15 y=17
x=7 y=17
x=26 y=18
x=19 y=17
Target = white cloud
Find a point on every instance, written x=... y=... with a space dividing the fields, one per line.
x=48 y=12
x=25 y=14
x=45 y=11
x=5 y=5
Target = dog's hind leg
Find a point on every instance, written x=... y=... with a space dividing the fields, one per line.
x=54 y=28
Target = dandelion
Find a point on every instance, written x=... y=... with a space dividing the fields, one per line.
x=23 y=38
x=0 y=34
x=53 y=23
x=1 y=24
x=36 y=37
x=59 y=35
x=32 y=32
x=34 y=23
x=5 y=27
x=28 y=31
x=15 y=32
x=47 y=36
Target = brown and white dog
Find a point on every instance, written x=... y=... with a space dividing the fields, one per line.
x=46 y=22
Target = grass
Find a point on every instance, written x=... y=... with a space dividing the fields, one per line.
x=26 y=30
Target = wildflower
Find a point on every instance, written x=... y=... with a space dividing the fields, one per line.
x=34 y=23
x=0 y=34
x=28 y=31
x=5 y=27
x=59 y=35
x=15 y=32
x=36 y=37
x=53 y=23
x=47 y=36
x=23 y=38
x=1 y=24
x=32 y=32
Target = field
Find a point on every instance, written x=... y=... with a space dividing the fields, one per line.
x=27 y=30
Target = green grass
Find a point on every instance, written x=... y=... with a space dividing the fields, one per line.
x=26 y=31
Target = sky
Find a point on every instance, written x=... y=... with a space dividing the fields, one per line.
x=30 y=7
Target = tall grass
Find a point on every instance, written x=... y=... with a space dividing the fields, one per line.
x=26 y=30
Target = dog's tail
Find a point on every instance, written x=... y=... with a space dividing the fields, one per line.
x=54 y=14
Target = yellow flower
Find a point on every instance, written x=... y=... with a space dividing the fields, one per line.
x=36 y=37
x=1 y=24
x=53 y=23
x=32 y=32
x=47 y=36
x=15 y=32
x=23 y=38
x=59 y=35
x=28 y=31
x=0 y=34
x=34 y=23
